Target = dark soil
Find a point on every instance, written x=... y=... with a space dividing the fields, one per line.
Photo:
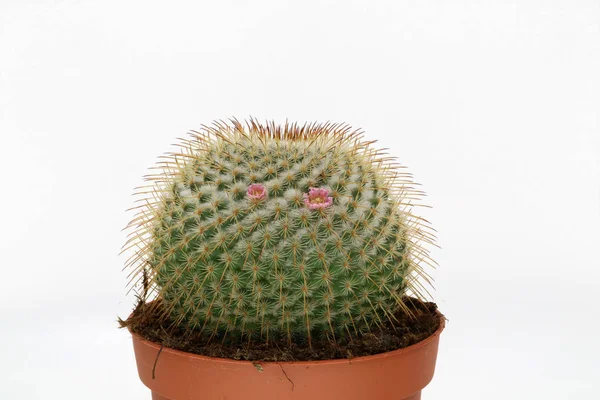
x=407 y=330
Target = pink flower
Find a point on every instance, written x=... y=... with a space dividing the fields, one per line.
x=317 y=198
x=256 y=191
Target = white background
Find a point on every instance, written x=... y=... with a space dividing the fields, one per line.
x=493 y=105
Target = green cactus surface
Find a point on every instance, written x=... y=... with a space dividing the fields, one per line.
x=264 y=231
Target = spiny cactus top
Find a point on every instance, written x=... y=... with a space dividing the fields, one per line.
x=264 y=230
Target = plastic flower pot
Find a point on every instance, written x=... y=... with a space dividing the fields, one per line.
x=176 y=375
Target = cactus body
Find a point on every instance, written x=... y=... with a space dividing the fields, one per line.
x=264 y=231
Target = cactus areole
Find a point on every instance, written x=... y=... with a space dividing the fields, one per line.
x=259 y=231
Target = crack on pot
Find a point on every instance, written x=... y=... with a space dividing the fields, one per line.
x=286 y=375
x=156 y=360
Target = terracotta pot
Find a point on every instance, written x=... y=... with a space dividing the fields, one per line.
x=398 y=375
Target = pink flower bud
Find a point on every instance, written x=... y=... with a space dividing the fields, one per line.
x=256 y=191
x=317 y=198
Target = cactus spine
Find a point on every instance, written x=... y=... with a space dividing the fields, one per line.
x=261 y=231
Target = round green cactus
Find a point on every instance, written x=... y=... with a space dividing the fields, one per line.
x=269 y=231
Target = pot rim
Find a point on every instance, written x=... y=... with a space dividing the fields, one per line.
x=219 y=360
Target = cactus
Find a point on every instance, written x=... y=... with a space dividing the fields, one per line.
x=265 y=231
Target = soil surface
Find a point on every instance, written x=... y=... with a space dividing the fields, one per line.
x=405 y=331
